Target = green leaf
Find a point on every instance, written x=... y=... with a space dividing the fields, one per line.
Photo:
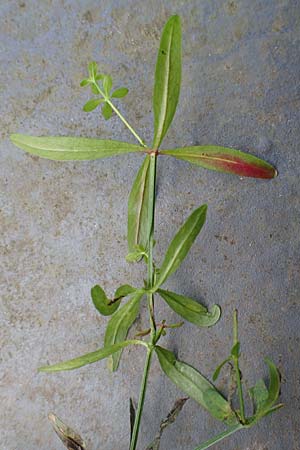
x=72 y=148
x=120 y=93
x=99 y=76
x=220 y=437
x=88 y=358
x=259 y=394
x=219 y=368
x=93 y=68
x=92 y=104
x=107 y=111
x=225 y=160
x=181 y=244
x=102 y=303
x=95 y=90
x=70 y=439
x=196 y=386
x=274 y=384
x=107 y=84
x=84 y=82
x=119 y=325
x=167 y=79
x=264 y=402
x=235 y=351
x=137 y=228
x=191 y=310
x=123 y=291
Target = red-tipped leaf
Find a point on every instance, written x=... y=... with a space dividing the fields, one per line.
x=225 y=160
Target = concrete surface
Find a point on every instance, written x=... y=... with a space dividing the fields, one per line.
x=63 y=225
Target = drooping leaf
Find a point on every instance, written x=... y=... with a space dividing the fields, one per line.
x=137 y=228
x=102 y=303
x=181 y=244
x=171 y=417
x=88 y=358
x=70 y=439
x=72 y=148
x=119 y=325
x=196 y=386
x=191 y=310
x=106 y=111
x=225 y=160
x=107 y=84
x=120 y=93
x=123 y=291
x=219 y=368
x=92 y=104
x=167 y=79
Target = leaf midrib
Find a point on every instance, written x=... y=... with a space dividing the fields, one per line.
x=165 y=95
x=167 y=271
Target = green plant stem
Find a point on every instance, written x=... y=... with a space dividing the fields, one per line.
x=237 y=368
x=120 y=115
x=151 y=216
x=220 y=437
x=136 y=427
x=150 y=281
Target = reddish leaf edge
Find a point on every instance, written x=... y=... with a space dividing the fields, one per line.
x=226 y=160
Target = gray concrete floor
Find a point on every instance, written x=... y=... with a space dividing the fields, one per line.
x=63 y=225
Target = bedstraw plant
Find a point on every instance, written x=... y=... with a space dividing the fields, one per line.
x=124 y=307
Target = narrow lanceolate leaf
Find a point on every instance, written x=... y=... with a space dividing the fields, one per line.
x=181 y=244
x=72 y=148
x=102 y=303
x=219 y=368
x=196 y=386
x=119 y=325
x=88 y=358
x=167 y=79
x=70 y=439
x=191 y=310
x=138 y=230
x=225 y=160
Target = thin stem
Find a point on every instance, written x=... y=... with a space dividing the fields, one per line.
x=120 y=115
x=126 y=123
x=237 y=367
x=135 y=431
x=220 y=437
x=151 y=216
x=150 y=281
